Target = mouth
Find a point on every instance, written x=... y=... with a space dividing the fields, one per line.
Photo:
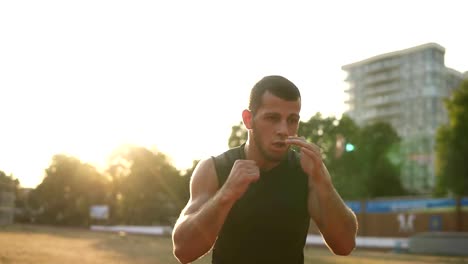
x=280 y=145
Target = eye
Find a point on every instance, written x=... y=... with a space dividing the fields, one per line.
x=272 y=117
x=293 y=120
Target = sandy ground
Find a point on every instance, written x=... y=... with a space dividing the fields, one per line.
x=22 y=244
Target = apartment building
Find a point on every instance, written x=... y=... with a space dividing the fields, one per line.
x=405 y=88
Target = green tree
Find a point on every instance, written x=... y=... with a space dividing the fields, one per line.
x=367 y=169
x=381 y=174
x=331 y=135
x=327 y=132
x=147 y=189
x=68 y=190
x=452 y=146
x=8 y=182
x=238 y=135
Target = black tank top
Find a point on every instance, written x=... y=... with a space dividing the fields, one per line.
x=269 y=223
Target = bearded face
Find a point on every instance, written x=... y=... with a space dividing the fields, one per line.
x=274 y=121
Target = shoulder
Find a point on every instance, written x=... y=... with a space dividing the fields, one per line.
x=203 y=180
x=230 y=154
x=203 y=185
x=224 y=162
x=210 y=173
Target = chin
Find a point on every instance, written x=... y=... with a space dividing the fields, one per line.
x=277 y=156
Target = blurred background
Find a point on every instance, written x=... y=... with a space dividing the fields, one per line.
x=107 y=106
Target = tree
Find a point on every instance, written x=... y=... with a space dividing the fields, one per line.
x=367 y=169
x=381 y=174
x=68 y=190
x=147 y=189
x=331 y=135
x=238 y=135
x=11 y=185
x=452 y=146
x=8 y=182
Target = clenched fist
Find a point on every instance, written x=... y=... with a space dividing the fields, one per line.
x=311 y=160
x=243 y=173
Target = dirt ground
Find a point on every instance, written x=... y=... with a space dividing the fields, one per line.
x=21 y=244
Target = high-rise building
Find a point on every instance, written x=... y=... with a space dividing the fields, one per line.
x=405 y=88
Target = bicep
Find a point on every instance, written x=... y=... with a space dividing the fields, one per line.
x=203 y=186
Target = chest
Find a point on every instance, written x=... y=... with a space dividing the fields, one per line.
x=276 y=200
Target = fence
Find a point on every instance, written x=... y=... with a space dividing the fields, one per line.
x=404 y=217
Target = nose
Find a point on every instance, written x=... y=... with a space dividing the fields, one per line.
x=282 y=129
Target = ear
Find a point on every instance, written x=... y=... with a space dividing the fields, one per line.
x=247 y=118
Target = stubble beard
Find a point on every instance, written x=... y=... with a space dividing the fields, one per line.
x=258 y=142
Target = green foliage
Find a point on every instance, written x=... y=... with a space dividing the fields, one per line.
x=238 y=135
x=331 y=135
x=147 y=189
x=69 y=188
x=381 y=175
x=8 y=182
x=452 y=146
x=367 y=171
x=140 y=186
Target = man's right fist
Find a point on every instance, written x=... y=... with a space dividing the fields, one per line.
x=243 y=173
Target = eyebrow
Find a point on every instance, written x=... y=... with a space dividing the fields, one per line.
x=271 y=113
x=278 y=114
x=295 y=115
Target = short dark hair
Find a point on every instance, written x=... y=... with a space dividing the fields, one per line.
x=275 y=84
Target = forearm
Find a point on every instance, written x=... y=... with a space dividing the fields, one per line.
x=336 y=221
x=194 y=234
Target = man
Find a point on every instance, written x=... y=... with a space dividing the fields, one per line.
x=252 y=204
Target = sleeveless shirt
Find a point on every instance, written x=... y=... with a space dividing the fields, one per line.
x=270 y=222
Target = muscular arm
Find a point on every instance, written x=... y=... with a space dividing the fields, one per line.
x=335 y=220
x=201 y=220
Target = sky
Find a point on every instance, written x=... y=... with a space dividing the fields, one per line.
x=84 y=77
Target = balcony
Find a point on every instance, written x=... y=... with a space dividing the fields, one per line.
x=382 y=77
x=383 y=88
x=384 y=100
x=350 y=87
x=381 y=113
x=384 y=68
x=349 y=90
